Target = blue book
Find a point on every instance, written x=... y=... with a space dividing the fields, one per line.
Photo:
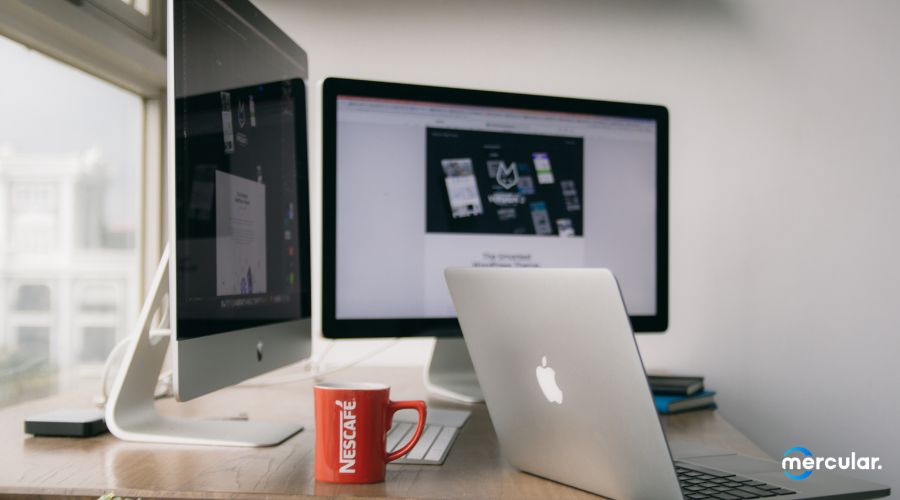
x=668 y=403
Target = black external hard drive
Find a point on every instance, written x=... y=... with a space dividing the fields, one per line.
x=67 y=423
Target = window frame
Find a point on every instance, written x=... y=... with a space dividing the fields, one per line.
x=101 y=39
x=125 y=13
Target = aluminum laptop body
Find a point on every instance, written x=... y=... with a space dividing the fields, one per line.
x=566 y=390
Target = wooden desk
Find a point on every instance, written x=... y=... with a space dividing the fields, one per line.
x=88 y=468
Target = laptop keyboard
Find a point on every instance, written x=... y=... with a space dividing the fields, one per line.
x=699 y=483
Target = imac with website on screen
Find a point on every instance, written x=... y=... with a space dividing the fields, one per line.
x=418 y=179
x=232 y=293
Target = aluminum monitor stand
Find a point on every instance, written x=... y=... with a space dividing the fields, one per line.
x=131 y=412
x=449 y=372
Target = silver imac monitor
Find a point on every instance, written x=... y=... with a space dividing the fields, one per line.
x=234 y=290
x=417 y=179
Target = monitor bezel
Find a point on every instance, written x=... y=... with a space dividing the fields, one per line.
x=334 y=328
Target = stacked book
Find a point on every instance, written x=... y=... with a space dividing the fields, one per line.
x=680 y=393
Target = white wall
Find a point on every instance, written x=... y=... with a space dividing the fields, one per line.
x=785 y=169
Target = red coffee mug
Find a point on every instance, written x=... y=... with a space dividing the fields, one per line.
x=352 y=421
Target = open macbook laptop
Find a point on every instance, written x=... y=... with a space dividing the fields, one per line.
x=568 y=396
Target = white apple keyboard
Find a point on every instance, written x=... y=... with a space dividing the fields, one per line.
x=441 y=428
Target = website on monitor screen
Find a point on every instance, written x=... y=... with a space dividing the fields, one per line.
x=425 y=186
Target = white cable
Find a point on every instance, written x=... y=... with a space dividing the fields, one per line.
x=316 y=362
x=107 y=367
x=164 y=385
x=316 y=373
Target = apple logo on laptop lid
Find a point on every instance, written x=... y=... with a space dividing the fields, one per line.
x=546 y=378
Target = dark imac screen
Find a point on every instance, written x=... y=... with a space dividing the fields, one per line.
x=240 y=202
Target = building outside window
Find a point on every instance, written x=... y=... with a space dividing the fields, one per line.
x=70 y=164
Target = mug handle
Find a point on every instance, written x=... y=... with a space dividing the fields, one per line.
x=394 y=407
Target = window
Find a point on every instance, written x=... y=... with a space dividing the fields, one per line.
x=142 y=6
x=32 y=198
x=71 y=153
x=34 y=341
x=33 y=298
x=135 y=14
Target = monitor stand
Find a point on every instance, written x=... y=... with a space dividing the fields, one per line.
x=131 y=412
x=449 y=372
